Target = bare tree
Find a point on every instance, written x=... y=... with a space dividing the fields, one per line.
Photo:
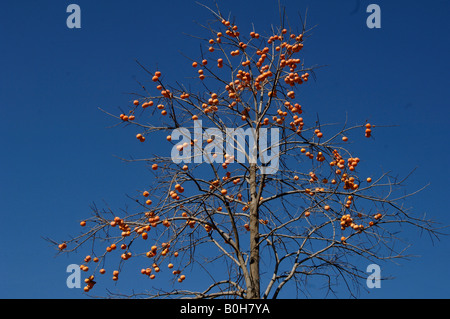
x=300 y=210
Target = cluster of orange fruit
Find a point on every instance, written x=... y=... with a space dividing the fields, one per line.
x=368 y=132
x=84 y=268
x=173 y=193
x=243 y=78
x=320 y=157
x=262 y=57
x=148 y=271
x=307 y=153
x=286 y=60
x=338 y=160
x=349 y=182
x=184 y=95
x=189 y=222
x=126 y=256
x=297 y=124
x=147 y=104
x=124 y=227
x=318 y=133
x=347 y=221
x=296 y=108
x=232 y=30
x=154 y=220
x=115 y=275
x=313 y=177
x=214 y=184
x=131 y=116
x=165 y=250
x=349 y=201
x=294 y=78
x=140 y=137
x=242 y=82
x=89 y=283
x=127 y=118
x=234 y=53
x=156 y=76
x=279 y=120
x=352 y=163
x=209 y=107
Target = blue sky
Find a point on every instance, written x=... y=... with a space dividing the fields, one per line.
x=58 y=152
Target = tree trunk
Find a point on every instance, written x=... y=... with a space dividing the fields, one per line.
x=253 y=292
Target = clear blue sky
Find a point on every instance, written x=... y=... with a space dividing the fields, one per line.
x=57 y=152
